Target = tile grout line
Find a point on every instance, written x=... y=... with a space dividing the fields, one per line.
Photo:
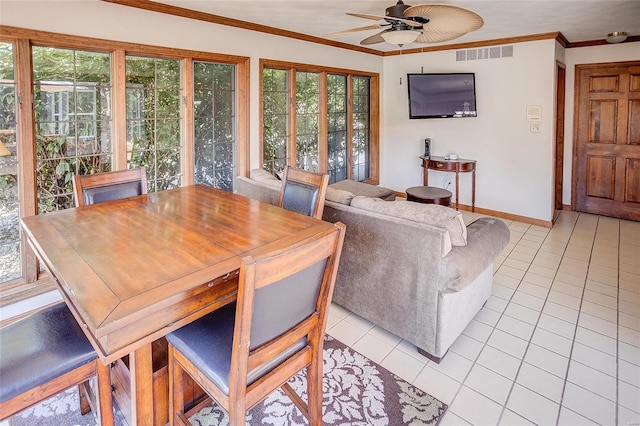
x=535 y=327
x=575 y=330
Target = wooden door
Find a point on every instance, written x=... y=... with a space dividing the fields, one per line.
x=607 y=147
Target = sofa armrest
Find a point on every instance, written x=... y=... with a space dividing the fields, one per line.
x=486 y=238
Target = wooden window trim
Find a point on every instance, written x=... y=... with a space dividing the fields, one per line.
x=374 y=131
x=15 y=291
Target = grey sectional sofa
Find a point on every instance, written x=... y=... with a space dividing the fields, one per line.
x=412 y=269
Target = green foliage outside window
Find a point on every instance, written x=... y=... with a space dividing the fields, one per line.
x=275 y=116
x=9 y=196
x=72 y=91
x=307 y=120
x=214 y=124
x=337 y=129
x=153 y=120
x=275 y=98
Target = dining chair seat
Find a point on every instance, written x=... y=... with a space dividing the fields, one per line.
x=46 y=353
x=40 y=348
x=207 y=342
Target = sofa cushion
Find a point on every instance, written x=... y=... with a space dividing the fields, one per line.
x=364 y=189
x=263 y=176
x=339 y=196
x=431 y=214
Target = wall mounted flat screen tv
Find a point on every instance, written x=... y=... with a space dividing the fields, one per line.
x=442 y=95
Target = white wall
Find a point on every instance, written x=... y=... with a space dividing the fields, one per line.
x=586 y=55
x=515 y=167
x=93 y=18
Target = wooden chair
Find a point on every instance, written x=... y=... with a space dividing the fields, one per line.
x=44 y=354
x=99 y=187
x=242 y=352
x=303 y=192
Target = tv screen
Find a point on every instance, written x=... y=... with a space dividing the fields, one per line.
x=442 y=95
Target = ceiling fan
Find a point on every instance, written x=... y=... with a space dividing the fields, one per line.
x=424 y=23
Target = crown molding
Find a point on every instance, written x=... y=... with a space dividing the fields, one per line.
x=474 y=44
x=236 y=23
x=601 y=42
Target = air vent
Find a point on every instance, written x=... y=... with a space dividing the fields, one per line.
x=484 y=53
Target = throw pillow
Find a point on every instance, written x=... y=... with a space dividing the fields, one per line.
x=263 y=176
x=339 y=196
x=431 y=214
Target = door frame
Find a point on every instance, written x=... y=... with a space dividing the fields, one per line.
x=561 y=84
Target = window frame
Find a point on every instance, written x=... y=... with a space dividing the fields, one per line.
x=292 y=68
x=32 y=281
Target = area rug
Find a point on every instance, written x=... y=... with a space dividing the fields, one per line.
x=356 y=391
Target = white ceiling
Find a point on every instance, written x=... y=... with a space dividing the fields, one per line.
x=577 y=20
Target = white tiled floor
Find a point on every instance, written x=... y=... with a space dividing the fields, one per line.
x=558 y=342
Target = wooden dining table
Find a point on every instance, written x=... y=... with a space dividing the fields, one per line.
x=133 y=270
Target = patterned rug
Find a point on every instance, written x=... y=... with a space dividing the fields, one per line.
x=356 y=391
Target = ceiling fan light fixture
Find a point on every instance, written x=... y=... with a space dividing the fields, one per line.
x=616 y=37
x=400 y=37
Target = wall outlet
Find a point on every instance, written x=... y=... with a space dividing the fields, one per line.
x=534 y=128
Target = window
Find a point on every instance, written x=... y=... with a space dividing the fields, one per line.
x=10 y=267
x=72 y=93
x=361 y=131
x=337 y=127
x=275 y=118
x=214 y=124
x=333 y=129
x=154 y=119
x=307 y=121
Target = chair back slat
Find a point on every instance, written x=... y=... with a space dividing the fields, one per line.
x=300 y=198
x=303 y=192
x=109 y=186
x=113 y=192
x=302 y=289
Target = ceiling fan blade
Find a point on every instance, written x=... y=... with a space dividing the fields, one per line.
x=379 y=17
x=354 y=30
x=376 y=38
x=431 y=37
x=445 y=18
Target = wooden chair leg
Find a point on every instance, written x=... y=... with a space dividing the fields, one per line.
x=314 y=390
x=237 y=415
x=85 y=406
x=176 y=390
x=105 y=405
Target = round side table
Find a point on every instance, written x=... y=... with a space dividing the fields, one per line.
x=429 y=195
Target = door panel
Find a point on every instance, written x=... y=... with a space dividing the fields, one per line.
x=601 y=176
x=634 y=117
x=607 y=148
x=602 y=122
x=632 y=186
